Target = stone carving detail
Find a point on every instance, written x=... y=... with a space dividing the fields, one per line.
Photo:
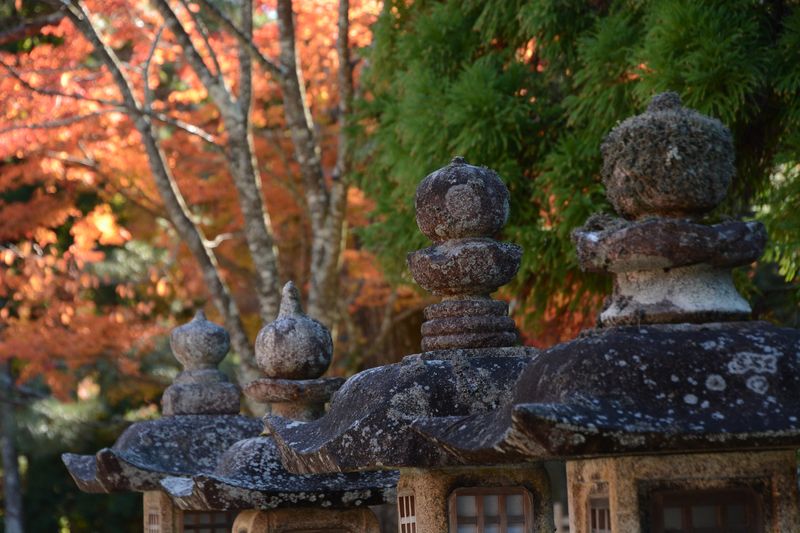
x=461 y=208
x=293 y=352
x=663 y=170
x=294 y=346
x=201 y=388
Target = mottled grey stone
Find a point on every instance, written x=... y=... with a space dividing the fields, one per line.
x=616 y=245
x=370 y=418
x=201 y=388
x=250 y=476
x=465 y=266
x=461 y=207
x=294 y=346
x=669 y=161
x=658 y=388
x=200 y=343
x=149 y=451
x=460 y=201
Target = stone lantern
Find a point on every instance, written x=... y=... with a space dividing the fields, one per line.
x=293 y=352
x=468 y=367
x=201 y=420
x=677 y=413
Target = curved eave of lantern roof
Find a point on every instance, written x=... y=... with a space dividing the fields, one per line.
x=250 y=476
x=666 y=388
x=149 y=451
x=369 y=422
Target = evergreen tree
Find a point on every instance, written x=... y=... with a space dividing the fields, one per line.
x=531 y=88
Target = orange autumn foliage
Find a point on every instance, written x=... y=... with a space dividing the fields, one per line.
x=60 y=149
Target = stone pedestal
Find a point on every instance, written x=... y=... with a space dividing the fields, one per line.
x=629 y=485
x=308 y=520
x=432 y=490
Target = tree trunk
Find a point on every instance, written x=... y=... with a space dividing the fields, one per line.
x=240 y=154
x=246 y=177
x=326 y=206
x=12 y=488
x=174 y=203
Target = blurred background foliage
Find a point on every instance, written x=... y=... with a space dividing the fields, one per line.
x=530 y=89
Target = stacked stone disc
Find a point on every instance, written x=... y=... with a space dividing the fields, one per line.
x=201 y=388
x=664 y=170
x=461 y=208
x=293 y=352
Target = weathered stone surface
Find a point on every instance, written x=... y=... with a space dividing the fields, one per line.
x=289 y=390
x=669 y=161
x=432 y=488
x=370 y=417
x=461 y=207
x=615 y=245
x=200 y=421
x=250 y=476
x=696 y=294
x=201 y=388
x=632 y=482
x=657 y=388
x=295 y=399
x=149 y=451
x=465 y=266
x=466 y=308
x=460 y=201
x=307 y=520
x=200 y=343
x=294 y=346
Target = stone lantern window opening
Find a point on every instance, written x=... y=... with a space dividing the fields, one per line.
x=599 y=514
x=406 y=513
x=491 y=510
x=733 y=510
x=153 y=520
x=207 y=521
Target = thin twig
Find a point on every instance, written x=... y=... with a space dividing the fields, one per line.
x=118 y=106
x=148 y=91
x=263 y=60
x=58 y=123
x=53 y=92
x=203 y=31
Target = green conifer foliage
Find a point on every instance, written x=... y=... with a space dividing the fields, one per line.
x=531 y=88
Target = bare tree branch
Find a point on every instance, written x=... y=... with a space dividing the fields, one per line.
x=245 y=61
x=174 y=202
x=53 y=92
x=201 y=29
x=244 y=39
x=57 y=123
x=215 y=85
x=122 y=107
x=133 y=195
x=30 y=27
x=148 y=91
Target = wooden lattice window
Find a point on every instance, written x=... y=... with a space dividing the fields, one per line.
x=153 y=521
x=407 y=513
x=491 y=510
x=599 y=515
x=706 y=511
x=208 y=521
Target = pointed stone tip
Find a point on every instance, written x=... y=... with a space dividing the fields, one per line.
x=665 y=101
x=290 y=300
x=200 y=315
x=458 y=160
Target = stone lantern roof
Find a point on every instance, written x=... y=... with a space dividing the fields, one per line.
x=674 y=365
x=293 y=352
x=470 y=360
x=201 y=420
